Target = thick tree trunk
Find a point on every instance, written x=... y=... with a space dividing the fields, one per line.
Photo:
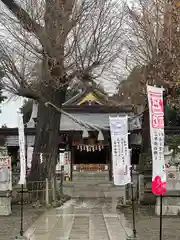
x=145 y=146
x=47 y=137
x=145 y=131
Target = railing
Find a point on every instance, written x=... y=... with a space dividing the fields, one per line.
x=40 y=192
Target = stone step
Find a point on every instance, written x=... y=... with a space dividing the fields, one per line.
x=88 y=186
x=91 y=180
x=90 y=174
x=94 y=192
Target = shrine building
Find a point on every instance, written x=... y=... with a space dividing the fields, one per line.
x=87 y=146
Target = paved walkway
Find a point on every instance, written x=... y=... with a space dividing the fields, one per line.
x=10 y=225
x=94 y=219
x=147 y=224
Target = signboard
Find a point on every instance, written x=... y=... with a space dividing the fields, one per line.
x=156 y=117
x=120 y=150
x=60 y=162
x=67 y=164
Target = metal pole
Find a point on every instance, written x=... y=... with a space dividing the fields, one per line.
x=22 y=189
x=160 y=229
x=133 y=209
x=22 y=230
x=62 y=178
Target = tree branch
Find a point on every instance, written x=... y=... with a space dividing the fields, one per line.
x=24 y=92
x=28 y=24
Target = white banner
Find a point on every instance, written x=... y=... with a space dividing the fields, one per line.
x=22 y=149
x=120 y=150
x=156 y=117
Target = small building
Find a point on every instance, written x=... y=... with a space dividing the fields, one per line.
x=83 y=152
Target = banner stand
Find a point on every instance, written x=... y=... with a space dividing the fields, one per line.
x=160 y=229
x=22 y=181
x=22 y=211
x=133 y=208
x=21 y=233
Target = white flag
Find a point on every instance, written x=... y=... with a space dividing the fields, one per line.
x=120 y=150
x=21 y=149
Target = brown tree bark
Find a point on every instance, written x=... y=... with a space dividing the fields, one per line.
x=47 y=137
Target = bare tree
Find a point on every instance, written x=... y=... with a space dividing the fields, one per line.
x=153 y=48
x=65 y=39
x=145 y=24
x=144 y=30
x=152 y=44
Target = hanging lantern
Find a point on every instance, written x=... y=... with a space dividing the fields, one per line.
x=100 y=136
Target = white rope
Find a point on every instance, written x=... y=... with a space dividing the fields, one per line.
x=85 y=124
x=78 y=121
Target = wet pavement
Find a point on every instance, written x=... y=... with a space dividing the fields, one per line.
x=10 y=225
x=148 y=224
x=95 y=219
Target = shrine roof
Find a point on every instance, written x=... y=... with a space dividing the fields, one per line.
x=99 y=120
x=89 y=93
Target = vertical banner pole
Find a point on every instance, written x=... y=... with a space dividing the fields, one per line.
x=160 y=229
x=133 y=209
x=156 y=113
x=22 y=209
x=22 y=180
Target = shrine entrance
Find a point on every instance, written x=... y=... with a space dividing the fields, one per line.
x=91 y=159
x=90 y=153
x=85 y=154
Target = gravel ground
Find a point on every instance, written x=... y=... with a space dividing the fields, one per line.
x=148 y=224
x=10 y=225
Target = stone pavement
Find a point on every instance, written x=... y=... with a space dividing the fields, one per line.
x=94 y=219
x=10 y=225
x=147 y=224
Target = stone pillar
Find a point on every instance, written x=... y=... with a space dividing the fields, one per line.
x=170 y=205
x=141 y=187
x=5 y=203
x=5 y=186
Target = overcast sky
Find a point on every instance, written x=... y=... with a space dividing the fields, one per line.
x=9 y=109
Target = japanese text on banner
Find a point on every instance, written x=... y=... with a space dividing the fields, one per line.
x=156 y=115
x=120 y=151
